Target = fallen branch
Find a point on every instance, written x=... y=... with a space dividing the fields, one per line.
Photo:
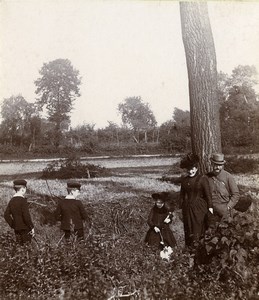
x=35 y=202
x=123 y=295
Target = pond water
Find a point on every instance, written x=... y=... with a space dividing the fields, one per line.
x=16 y=167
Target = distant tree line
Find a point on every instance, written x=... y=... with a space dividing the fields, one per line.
x=24 y=130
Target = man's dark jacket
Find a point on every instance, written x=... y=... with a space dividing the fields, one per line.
x=17 y=214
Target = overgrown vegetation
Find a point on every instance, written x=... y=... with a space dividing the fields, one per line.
x=113 y=262
x=72 y=168
x=242 y=165
x=230 y=254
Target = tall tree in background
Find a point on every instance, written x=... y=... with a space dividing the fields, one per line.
x=202 y=74
x=242 y=81
x=239 y=107
x=58 y=87
x=175 y=133
x=182 y=118
x=113 y=129
x=137 y=115
x=17 y=115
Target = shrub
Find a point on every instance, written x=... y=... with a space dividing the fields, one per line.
x=72 y=168
x=241 y=165
x=230 y=254
x=9 y=151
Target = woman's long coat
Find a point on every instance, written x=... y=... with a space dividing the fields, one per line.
x=156 y=219
x=196 y=199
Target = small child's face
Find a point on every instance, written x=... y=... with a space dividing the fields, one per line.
x=159 y=203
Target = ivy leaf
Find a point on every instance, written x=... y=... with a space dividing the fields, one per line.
x=241 y=255
x=208 y=248
x=232 y=254
x=225 y=240
x=215 y=240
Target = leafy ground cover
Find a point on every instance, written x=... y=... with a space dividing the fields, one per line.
x=113 y=262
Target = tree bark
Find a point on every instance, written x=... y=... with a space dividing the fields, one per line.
x=145 y=134
x=202 y=74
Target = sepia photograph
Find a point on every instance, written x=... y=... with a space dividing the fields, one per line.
x=129 y=150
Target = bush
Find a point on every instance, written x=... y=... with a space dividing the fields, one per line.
x=9 y=151
x=114 y=262
x=46 y=273
x=243 y=165
x=230 y=254
x=72 y=168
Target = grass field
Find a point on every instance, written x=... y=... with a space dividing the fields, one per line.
x=132 y=178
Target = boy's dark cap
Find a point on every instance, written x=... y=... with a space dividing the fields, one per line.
x=161 y=196
x=19 y=182
x=74 y=185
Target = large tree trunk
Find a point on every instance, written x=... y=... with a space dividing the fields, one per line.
x=158 y=136
x=202 y=73
x=145 y=135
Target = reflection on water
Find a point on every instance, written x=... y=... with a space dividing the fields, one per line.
x=31 y=166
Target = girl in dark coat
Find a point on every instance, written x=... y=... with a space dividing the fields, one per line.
x=196 y=201
x=158 y=220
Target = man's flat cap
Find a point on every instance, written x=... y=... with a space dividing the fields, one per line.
x=19 y=182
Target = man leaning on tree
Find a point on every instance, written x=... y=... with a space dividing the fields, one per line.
x=225 y=193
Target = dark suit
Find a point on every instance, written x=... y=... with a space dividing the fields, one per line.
x=71 y=213
x=17 y=215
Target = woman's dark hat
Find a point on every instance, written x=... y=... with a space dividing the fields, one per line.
x=20 y=183
x=73 y=185
x=218 y=158
x=189 y=161
x=161 y=196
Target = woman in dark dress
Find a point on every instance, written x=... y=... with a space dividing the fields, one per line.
x=196 y=201
x=159 y=233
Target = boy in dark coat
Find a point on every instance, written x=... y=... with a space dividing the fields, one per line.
x=158 y=220
x=17 y=213
x=71 y=212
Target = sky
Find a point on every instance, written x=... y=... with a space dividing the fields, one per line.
x=121 y=49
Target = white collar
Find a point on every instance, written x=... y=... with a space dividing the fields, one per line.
x=70 y=197
x=18 y=195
